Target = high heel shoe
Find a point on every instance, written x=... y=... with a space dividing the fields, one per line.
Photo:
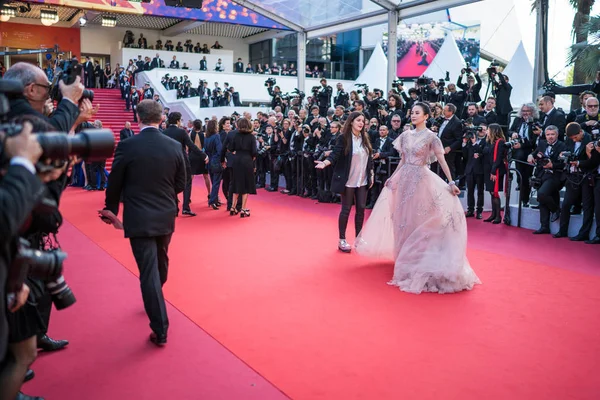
x=233 y=211
x=245 y=213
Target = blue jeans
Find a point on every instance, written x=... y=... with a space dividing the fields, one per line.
x=215 y=179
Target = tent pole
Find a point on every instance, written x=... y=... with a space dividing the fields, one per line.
x=392 y=48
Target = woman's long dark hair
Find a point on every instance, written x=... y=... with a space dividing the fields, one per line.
x=347 y=133
x=495 y=131
x=244 y=126
x=211 y=128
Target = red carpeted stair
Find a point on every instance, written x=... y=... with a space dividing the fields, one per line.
x=112 y=113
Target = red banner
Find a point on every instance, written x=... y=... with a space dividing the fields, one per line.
x=22 y=36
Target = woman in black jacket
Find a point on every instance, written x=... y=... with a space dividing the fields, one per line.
x=353 y=173
x=244 y=147
x=494 y=169
x=198 y=165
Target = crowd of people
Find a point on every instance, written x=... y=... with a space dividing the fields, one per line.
x=186 y=46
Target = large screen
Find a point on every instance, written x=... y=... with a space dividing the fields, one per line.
x=212 y=10
x=419 y=45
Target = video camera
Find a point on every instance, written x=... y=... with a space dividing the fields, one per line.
x=471 y=132
x=315 y=89
x=424 y=81
x=364 y=88
x=468 y=69
x=270 y=82
x=492 y=69
x=68 y=76
x=396 y=83
x=299 y=93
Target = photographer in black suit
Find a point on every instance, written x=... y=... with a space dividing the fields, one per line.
x=148 y=172
x=593 y=164
x=548 y=177
x=450 y=133
x=550 y=117
x=577 y=183
x=20 y=191
x=175 y=132
x=473 y=152
x=382 y=150
x=589 y=119
x=324 y=97
x=523 y=143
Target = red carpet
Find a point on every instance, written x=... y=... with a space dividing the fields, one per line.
x=319 y=324
x=408 y=65
x=111 y=113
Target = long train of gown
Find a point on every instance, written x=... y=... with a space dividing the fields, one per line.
x=419 y=223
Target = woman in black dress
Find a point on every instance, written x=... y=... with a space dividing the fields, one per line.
x=244 y=147
x=198 y=165
x=494 y=169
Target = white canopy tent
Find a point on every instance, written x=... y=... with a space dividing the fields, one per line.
x=520 y=73
x=448 y=59
x=375 y=72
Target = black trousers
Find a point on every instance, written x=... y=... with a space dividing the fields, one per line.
x=151 y=256
x=524 y=185
x=596 y=190
x=475 y=181
x=227 y=172
x=357 y=196
x=98 y=168
x=274 y=175
x=451 y=161
x=548 y=196
x=575 y=195
x=187 y=190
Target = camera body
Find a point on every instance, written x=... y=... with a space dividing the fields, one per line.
x=68 y=76
x=270 y=82
x=424 y=81
x=396 y=83
x=511 y=143
x=567 y=157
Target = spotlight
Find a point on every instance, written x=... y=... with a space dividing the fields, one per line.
x=82 y=21
x=7 y=12
x=48 y=17
x=109 y=21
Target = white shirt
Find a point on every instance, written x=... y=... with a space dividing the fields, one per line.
x=358 y=164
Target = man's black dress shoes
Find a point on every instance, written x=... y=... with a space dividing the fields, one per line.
x=559 y=235
x=595 y=240
x=46 y=343
x=189 y=212
x=541 y=231
x=578 y=238
x=159 y=340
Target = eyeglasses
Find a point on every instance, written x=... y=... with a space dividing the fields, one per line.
x=592 y=106
x=47 y=87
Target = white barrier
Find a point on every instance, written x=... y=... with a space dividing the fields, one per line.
x=192 y=59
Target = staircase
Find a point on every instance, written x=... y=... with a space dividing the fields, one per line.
x=111 y=113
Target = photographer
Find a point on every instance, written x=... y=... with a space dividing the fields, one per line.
x=472 y=88
x=30 y=106
x=589 y=120
x=274 y=92
x=550 y=116
x=473 y=117
x=324 y=97
x=593 y=164
x=502 y=91
x=576 y=112
x=548 y=177
x=383 y=149
x=522 y=141
x=342 y=98
x=20 y=191
x=578 y=187
x=474 y=142
x=394 y=107
x=450 y=133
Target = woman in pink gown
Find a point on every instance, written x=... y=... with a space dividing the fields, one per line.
x=418 y=221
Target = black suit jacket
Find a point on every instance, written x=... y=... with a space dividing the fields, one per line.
x=174 y=64
x=226 y=155
x=556 y=118
x=557 y=164
x=582 y=155
x=474 y=165
x=528 y=141
x=385 y=151
x=490 y=118
x=184 y=140
x=582 y=120
x=155 y=63
x=125 y=133
x=452 y=134
x=148 y=172
x=341 y=166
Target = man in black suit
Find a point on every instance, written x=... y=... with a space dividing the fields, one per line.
x=90 y=81
x=450 y=133
x=521 y=133
x=488 y=113
x=174 y=63
x=472 y=113
x=175 y=132
x=577 y=186
x=148 y=172
x=593 y=164
x=382 y=150
x=548 y=172
x=203 y=64
x=239 y=66
x=551 y=117
x=572 y=116
x=589 y=119
x=157 y=62
x=126 y=132
x=473 y=153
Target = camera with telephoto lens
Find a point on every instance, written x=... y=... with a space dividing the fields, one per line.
x=299 y=93
x=468 y=69
x=541 y=159
x=471 y=133
x=441 y=83
x=270 y=82
x=315 y=90
x=91 y=145
x=68 y=76
x=381 y=103
x=423 y=81
x=46 y=266
x=364 y=88
x=396 y=83
x=512 y=142
x=493 y=68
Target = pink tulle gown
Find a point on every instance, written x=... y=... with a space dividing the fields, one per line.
x=419 y=223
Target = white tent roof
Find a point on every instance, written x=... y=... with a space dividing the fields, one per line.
x=448 y=58
x=375 y=72
x=520 y=72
